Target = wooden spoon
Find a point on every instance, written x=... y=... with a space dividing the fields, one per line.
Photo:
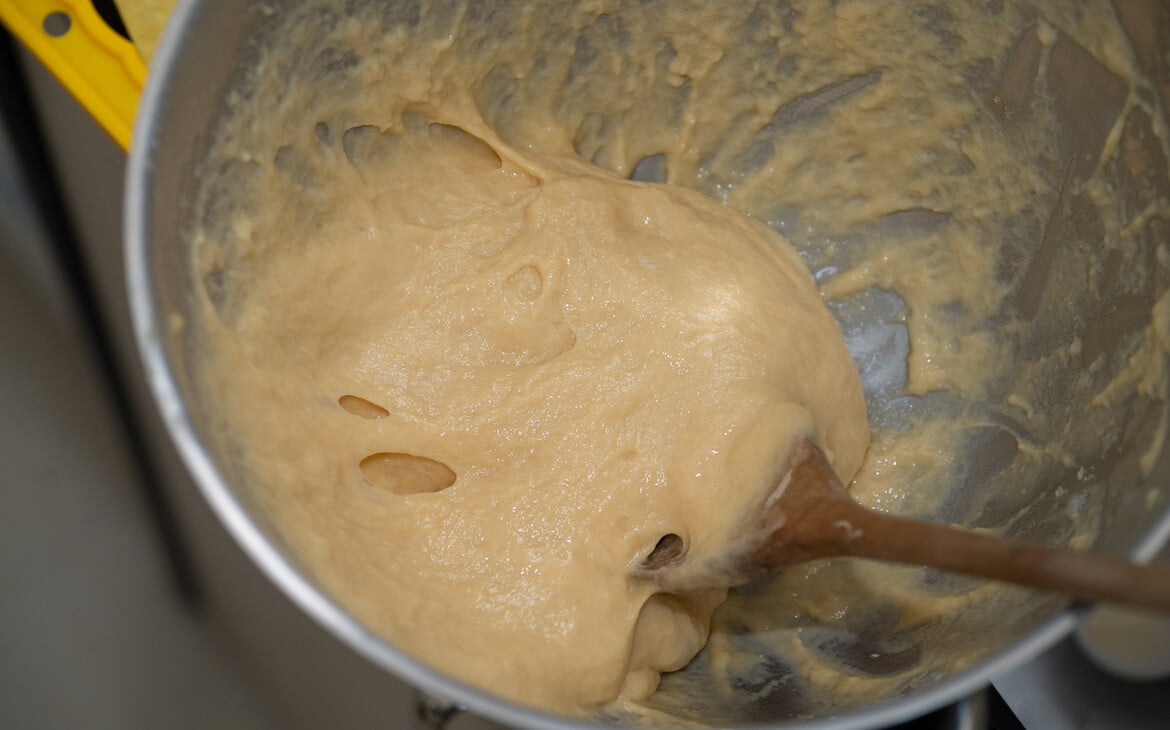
x=810 y=515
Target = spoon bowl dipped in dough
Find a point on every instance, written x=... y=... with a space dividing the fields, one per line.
x=808 y=514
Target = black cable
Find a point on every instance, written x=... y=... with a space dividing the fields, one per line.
x=19 y=116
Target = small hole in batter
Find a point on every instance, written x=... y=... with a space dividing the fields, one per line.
x=670 y=550
x=650 y=169
x=406 y=473
x=362 y=407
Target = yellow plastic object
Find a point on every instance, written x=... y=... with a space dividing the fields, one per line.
x=101 y=68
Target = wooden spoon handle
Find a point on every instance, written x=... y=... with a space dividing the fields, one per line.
x=820 y=519
x=864 y=533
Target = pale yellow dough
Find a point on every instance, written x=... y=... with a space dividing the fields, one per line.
x=599 y=362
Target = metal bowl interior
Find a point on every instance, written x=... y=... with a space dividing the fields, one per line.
x=206 y=44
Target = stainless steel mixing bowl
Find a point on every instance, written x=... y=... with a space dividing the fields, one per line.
x=197 y=64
